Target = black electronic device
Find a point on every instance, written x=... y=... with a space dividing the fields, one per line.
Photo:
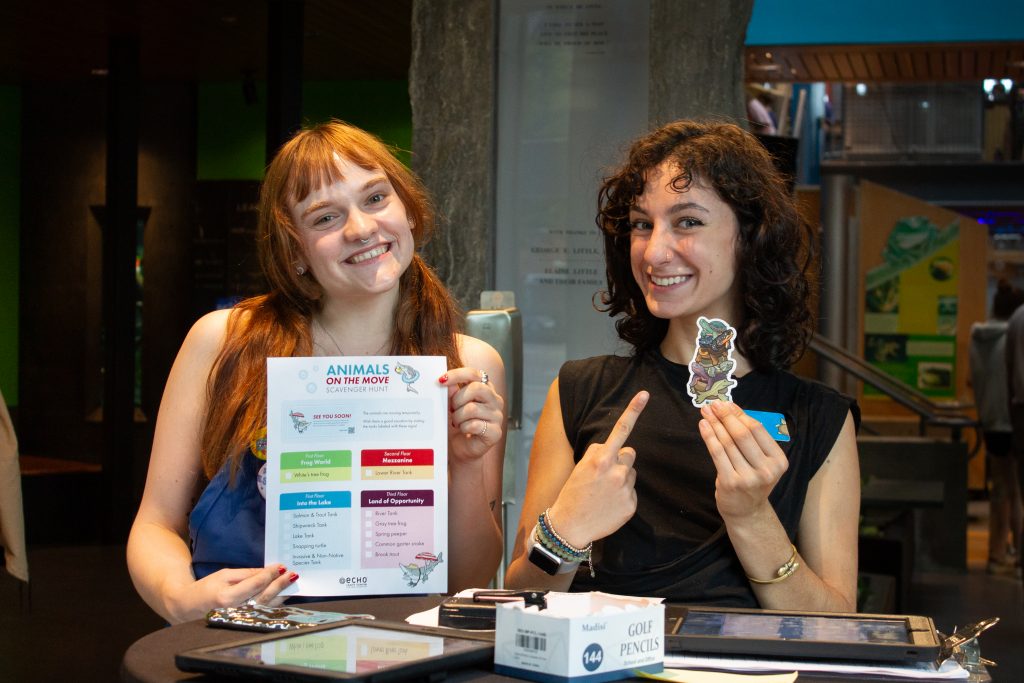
x=545 y=559
x=479 y=610
x=356 y=650
x=801 y=635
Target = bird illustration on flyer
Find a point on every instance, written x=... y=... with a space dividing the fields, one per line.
x=357 y=474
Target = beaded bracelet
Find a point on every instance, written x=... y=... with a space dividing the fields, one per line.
x=784 y=572
x=551 y=540
x=549 y=529
x=567 y=566
x=569 y=562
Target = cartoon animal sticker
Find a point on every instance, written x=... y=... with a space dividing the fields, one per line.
x=712 y=365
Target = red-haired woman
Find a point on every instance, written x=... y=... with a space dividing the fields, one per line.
x=665 y=499
x=340 y=224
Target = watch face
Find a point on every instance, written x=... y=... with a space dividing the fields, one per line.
x=545 y=559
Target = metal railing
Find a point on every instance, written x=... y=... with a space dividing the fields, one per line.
x=947 y=414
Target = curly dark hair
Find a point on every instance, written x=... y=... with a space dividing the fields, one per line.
x=774 y=253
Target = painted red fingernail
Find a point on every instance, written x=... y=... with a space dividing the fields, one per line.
x=281 y=570
x=443 y=379
x=293 y=578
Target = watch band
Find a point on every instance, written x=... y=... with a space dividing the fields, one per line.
x=547 y=559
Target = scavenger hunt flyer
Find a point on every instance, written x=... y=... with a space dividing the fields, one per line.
x=357 y=473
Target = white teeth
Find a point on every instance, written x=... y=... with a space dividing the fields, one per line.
x=367 y=255
x=666 y=281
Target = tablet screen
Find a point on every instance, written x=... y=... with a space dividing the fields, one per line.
x=347 y=649
x=795 y=627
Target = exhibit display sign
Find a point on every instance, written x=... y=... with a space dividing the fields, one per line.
x=922 y=285
x=572 y=93
x=911 y=306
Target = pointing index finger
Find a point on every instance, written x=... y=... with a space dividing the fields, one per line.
x=624 y=425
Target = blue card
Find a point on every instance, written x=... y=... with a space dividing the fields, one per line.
x=774 y=423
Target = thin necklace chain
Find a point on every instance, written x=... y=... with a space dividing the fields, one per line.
x=338 y=346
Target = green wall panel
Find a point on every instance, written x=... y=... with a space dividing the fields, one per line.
x=10 y=216
x=231 y=137
x=381 y=107
x=230 y=133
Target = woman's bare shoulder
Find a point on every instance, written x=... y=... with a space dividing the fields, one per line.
x=206 y=338
x=476 y=352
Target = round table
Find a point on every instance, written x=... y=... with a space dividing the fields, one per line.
x=151 y=658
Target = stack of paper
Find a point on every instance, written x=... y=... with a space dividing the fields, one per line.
x=950 y=669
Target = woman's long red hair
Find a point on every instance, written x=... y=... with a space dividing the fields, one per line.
x=278 y=324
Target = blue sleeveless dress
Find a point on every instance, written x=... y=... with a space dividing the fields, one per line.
x=226 y=527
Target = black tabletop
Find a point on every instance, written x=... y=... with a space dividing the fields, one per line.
x=151 y=658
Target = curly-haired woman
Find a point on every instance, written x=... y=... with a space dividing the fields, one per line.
x=696 y=505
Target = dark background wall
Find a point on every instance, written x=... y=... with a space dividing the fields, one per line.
x=62 y=180
x=189 y=135
x=61 y=177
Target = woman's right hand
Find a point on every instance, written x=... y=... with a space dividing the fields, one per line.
x=598 y=498
x=229 y=588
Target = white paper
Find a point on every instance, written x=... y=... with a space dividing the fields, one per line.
x=357 y=474
x=950 y=669
x=688 y=676
x=431 y=616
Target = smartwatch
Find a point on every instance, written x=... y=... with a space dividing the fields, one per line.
x=545 y=559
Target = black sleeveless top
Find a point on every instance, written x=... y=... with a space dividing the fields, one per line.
x=676 y=546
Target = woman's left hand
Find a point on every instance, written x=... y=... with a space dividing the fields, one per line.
x=476 y=413
x=748 y=461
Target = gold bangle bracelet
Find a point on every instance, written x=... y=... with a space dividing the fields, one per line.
x=784 y=572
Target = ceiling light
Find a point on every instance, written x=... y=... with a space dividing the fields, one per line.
x=990 y=83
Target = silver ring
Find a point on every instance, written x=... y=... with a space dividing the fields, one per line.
x=484 y=379
x=366 y=241
x=484 y=430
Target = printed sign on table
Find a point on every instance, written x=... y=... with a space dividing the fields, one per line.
x=357 y=474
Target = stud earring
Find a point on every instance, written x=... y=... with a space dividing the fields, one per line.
x=301 y=270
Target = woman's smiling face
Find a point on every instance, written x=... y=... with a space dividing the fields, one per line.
x=355 y=233
x=683 y=248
